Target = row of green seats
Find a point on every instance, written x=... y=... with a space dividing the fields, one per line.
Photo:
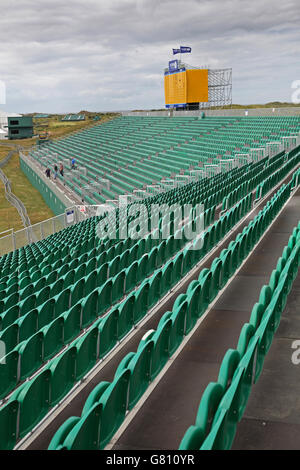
x=112 y=327
x=274 y=178
x=23 y=294
x=223 y=402
x=108 y=403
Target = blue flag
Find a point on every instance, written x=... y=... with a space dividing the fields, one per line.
x=176 y=51
x=185 y=49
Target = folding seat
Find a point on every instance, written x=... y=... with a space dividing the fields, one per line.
x=225 y=257
x=101 y=259
x=79 y=433
x=39 y=284
x=153 y=259
x=86 y=352
x=217 y=271
x=53 y=337
x=177 y=267
x=31 y=355
x=105 y=297
x=12 y=289
x=72 y=323
x=102 y=273
x=63 y=270
x=77 y=291
x=3 y=293
x=126 y=316
x=9 y=337
x=9 y=281
x=131 y=277
x=178 y=318
x=9 y=317
x=125 y=259
x=205 y=280
x=141 y=302
x=195 y=435
x=108 y=331
x=114 y=406
x=28 y=325
x=114 y=266
x=34 y=399
x=80 y=272
x=134 y=251
x=161 y=256
x=56 y=288
x=89 y=308
x=90 y=282
x=247 y=332
x=11 y=301
x=143 y=267
x=118 y=286
x=110 y=254
x=234 y=261
x=46 y=312
x=68 y=278
x=42 y=295
x=47 y=270
x=8 y=373
x=226 y=417
x=26 y=292
x=120 y=248
x=167 y=277
x=8 y=425
x=139 y=366
x=196 y=305
x=160 y=349
x=139 y=248
x=90 y=266
x=63 y=374
x=51 y=278
x=155 y=288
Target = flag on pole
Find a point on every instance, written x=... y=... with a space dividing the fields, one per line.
x=176 y=51
x=184 y=49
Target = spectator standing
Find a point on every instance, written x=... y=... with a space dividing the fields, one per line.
x=55 y=171
x=48 y=172
x=61 y=170
x=73 y=163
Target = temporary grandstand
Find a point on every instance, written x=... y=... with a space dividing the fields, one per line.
x=157 y=342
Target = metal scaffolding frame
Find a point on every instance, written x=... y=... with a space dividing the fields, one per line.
x=219 y=86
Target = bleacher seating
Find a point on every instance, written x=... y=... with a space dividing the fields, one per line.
x=223 y=402
x=133 y=152
x=61 y=295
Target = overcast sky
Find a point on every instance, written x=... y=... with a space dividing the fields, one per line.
x=99 y=55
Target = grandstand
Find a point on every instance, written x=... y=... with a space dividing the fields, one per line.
x=134 y=152
x=154 y=342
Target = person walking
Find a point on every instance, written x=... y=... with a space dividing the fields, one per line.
x=73 y=163
x=55 y=171
x=48 y=172
x=61 y=170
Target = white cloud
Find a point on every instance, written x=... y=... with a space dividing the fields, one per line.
x=102 y=55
